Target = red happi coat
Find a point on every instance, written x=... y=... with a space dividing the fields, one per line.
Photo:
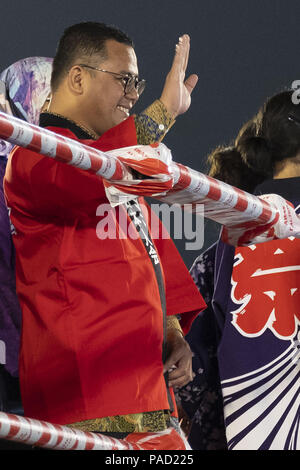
x=92 y=318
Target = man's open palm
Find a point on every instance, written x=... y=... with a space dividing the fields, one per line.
x=176 y=95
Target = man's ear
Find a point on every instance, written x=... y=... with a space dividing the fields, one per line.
x=76 y=80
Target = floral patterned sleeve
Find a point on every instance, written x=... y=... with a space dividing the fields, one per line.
x=200 y=337
x=201 y=399
x=202 y=272
x=153 y=123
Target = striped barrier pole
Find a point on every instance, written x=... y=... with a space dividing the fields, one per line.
x=222 y=202
x=53 y=436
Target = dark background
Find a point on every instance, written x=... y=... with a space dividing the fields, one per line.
x=242 y=50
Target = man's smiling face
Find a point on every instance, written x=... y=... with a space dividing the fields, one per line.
x=105 y=104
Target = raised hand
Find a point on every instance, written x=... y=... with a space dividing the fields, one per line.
x=176 y=95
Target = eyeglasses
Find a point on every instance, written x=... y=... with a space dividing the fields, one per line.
x=130 y=82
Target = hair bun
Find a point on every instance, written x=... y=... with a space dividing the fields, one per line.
x=226 y=164
x=256 y=154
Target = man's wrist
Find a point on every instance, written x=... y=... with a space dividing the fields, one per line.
x=173 y=324
x=168 y=108
x=153 y=123
x=160 y=113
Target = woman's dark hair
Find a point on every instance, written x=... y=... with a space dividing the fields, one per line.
x=272 y=136
x=79 y=43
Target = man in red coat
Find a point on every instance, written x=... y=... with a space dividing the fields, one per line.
x=96 y=344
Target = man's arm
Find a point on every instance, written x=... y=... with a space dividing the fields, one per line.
x=183 y=299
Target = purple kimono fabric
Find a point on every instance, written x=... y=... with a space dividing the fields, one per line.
x=10 y=313
x=201 y=399
x=24 y=87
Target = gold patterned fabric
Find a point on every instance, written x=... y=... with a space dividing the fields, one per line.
x=151 y=126
x=151 y=421
x=153 y=123
x=173 y=322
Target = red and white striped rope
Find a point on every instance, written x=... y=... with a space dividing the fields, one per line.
x=222 y=202
x=53 y=436
x=38 y=433
x=60 y=148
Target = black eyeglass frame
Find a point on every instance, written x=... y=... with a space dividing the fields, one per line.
x=130 y=82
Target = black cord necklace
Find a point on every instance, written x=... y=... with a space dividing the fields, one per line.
x=84 y=129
